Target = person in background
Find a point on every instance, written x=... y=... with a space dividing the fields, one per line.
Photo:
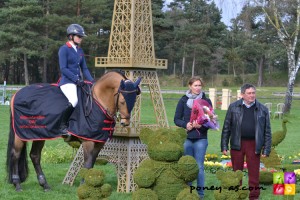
x=72 y=63
x=196 y=142
x=247 y=127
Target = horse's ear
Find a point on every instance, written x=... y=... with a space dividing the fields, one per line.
x=122 y=84
x=137 y=82
x=136 y=85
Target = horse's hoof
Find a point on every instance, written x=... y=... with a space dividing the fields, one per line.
x=46 y=187
x=42 y=180
x=18 y=187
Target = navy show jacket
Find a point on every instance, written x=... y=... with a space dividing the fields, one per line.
x=70 y=63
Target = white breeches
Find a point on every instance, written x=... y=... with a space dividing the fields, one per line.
x=70 y=91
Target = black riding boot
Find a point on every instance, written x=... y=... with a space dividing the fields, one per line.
x=64 y=122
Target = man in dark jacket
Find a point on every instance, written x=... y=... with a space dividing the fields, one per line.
x=247 y=127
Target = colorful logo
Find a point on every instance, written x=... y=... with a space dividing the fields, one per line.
x=289 y=189
x=289 y=178
x=284 y=183
x=278 y=178
x=278 y=189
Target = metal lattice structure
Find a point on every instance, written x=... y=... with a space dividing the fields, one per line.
x=131 y=49
x=131 y=41
x=124 y=153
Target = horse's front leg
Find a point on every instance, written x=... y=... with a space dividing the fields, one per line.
x=90 y=153
x=35 y=155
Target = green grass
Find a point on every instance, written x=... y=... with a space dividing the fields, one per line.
x=55 y=171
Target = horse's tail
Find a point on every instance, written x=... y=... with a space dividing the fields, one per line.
x=22 y=164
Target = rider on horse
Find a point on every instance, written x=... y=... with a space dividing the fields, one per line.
x=71 y=61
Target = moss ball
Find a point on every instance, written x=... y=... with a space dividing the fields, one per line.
x=84 y=191
x=189 y=168
x=243 y=194
x=165 y=151
x=106 y=190
x=168 y=184
x=144 y=194
x=226 y=195
x=144 y=177
x=186 y=194
x=94 y=177
x=93 y=187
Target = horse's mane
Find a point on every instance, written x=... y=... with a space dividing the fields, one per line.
x=119 y=71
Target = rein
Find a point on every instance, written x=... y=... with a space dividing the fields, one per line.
x=89 y=101
x=117 y=107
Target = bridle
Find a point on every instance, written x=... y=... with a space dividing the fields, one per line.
x=131 y=88
x=120 y=115
x=120 y=91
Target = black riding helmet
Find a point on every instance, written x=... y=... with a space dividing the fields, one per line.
x=75 y=29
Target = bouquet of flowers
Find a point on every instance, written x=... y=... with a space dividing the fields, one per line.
x=204 y=114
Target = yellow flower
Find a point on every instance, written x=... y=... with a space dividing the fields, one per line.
x=297 y=171
x=223 y=156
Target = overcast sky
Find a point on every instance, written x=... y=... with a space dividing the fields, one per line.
x=230 y=8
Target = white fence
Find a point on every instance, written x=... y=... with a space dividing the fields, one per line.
x=6 y=93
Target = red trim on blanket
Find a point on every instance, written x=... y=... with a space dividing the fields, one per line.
x=12 y=113
x=37 y=139
x=108 y=129
x=84 y=138
x=108 y=121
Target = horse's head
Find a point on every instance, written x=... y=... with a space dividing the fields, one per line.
x=126 y=98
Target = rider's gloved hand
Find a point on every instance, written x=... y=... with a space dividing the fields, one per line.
x=80 y=83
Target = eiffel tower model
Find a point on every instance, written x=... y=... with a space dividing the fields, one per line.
x=131 y=48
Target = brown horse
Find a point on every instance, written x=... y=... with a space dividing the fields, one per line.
x=113 y=92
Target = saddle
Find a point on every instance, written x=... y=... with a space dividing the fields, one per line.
x=37 y=112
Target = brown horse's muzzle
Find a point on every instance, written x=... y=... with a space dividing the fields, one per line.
x=125 y=122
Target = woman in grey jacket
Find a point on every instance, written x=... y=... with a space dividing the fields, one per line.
x=196 y=143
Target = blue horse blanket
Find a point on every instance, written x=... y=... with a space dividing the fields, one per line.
x=37 y=111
